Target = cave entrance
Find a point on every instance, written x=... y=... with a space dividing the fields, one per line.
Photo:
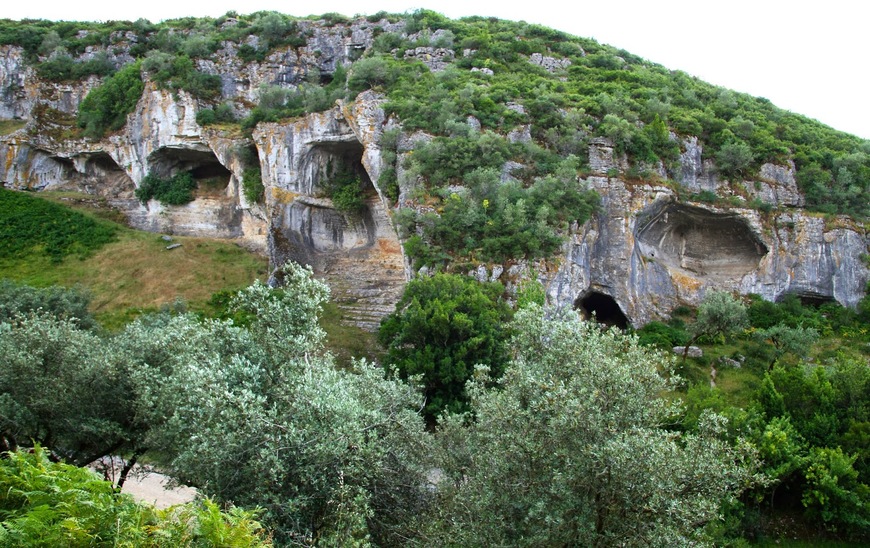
x=603 y=309
x=107 y=176
x=807 y=298
x=211 y=176
x=697 y=240
x=341 y=166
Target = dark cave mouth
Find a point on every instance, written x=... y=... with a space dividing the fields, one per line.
x=603 y=309
x=101 y=161
x=808 y=298
x=204 y=166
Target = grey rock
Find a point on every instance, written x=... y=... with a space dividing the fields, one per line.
x=730 y=362
x=173 y=246
x=694 y=351
x=437 y=59
x=551 y=64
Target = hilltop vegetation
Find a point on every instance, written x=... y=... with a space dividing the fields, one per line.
x=576 y=90
x=540 y=428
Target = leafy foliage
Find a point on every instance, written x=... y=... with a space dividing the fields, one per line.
x=252 y=185
x=442 y=327
x=719 y=314
x=106 y=107
x=30 y=222
x=570 y=448
x=177 y=190
x=21 y=300
x=344 y=187
x=178 y=72
x=53 y=504
x=497 y=221
x=260 y=416
x=808 y=421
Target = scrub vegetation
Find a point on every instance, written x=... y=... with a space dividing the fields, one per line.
x=487 y=421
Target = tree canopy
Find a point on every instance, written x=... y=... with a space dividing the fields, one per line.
x=442 y=328
x=573 y=448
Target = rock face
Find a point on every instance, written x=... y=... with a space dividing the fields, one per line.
x=648 y=249
x=357 y=252
x=646 y=252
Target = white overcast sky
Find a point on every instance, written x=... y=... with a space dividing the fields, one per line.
x=807 y=57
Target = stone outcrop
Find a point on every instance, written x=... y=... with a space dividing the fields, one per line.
x=437 y=59
x=550 y=64
x=17 y=96
x=357 y=252
x=649 y=249
x=649 y=252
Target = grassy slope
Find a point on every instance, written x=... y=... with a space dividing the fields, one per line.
x=136 y=274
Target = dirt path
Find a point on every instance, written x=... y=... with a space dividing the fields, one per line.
x=151 y=487
x=145 y=484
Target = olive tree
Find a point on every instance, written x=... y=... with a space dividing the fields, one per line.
x=57 y=389
x=719 y=314
x=260 y=416
x=572 y=448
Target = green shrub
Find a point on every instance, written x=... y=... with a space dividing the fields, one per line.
x=33 y=223
x=252 y=185
x=178 y=72
x=345 y=188
x=60 y=302
x=206 y=117
x=106 y=107
x=442 y=327
x=734 y=158
x=177 y=190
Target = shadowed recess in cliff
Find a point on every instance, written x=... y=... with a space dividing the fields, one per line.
x=706 y=243
x=601 y=308
x=335 y=222
x=807 y=297
x=106 y=177
x=207 y=170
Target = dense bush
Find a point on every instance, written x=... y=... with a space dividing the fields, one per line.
x=178 y=72
x=442 y=328
x=106 y=107
x=570 y=449
x=17 y=299
x=252 y=185
x=344 y=186
x=30 y=222
x=177 y=190
x=496 y=221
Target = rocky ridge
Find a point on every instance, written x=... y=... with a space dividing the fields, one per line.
x=650 y=247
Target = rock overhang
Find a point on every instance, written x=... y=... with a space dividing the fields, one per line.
x=699 y=241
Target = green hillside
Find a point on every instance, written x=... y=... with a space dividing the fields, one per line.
x=45 y=242
x=591 y=90
x=566 y=432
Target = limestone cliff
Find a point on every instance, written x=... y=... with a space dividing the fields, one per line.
x=648 y=249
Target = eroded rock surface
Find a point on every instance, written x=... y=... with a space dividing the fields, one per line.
x=648 y=249
x=357 y=252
